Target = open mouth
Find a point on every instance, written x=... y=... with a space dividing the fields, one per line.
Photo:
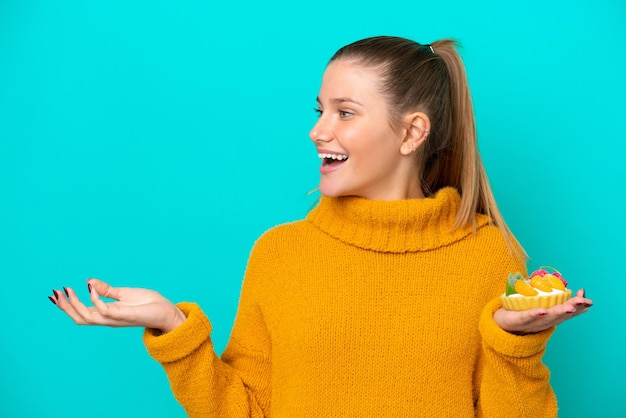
x=332 y=159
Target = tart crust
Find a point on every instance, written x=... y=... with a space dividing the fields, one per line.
x=541 y=301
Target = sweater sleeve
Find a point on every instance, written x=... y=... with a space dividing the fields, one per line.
x=513 y=381
x=239 y=383
x=205 y=385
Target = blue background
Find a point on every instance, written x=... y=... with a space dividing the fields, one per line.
x=149 y=143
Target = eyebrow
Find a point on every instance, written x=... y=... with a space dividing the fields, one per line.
x=341 y=100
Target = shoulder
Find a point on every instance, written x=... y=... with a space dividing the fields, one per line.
x=487 y=234
x=487 y=246
x=280 y=232
x=276 y=248
x=279 y=237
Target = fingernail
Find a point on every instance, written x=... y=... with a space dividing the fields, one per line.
x=65 y=290
x=89 y=287
x=543 y=313
x=56 y=295
x=584 y=293
x=52 y=300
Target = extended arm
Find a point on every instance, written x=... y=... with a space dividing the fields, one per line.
x=179 y=338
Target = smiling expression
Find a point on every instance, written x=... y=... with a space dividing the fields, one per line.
x=361 y=152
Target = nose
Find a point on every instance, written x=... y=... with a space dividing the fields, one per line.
x=320 y=131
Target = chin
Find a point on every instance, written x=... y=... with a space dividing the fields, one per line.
x=338 y=194
x=330 y=191
x=329 y=194
x=333 y=189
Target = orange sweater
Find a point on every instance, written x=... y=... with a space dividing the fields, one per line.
x=365 y=309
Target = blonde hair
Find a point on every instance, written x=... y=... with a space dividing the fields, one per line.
x=432 y=79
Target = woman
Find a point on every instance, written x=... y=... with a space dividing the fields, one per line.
x=384 y=301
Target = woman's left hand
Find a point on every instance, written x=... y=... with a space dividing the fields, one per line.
x=539 y=319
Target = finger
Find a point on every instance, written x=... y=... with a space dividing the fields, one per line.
x=583 y=298
x=564 y=309
x=104 y=289
x=579 y=297
x=100 y=305
x=55 y=296
x=78 y=312
x=538 y=313
x=579 y=301
x=68 y=304
x=568 y=310
x=88 y=315
x=112 y=314
x=532 y=315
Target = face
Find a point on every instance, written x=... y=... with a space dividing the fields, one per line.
x=362 y=155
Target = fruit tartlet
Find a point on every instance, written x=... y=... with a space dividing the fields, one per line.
x=542 y=289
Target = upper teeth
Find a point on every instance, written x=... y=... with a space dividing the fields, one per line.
x=333 y=156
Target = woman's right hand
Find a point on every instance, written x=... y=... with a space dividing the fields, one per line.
x=132 y=307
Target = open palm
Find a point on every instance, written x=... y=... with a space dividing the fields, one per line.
x=132 y=307
x=539 y=319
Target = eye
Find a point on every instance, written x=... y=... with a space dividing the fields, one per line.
x=318 y=111
x=344 y=114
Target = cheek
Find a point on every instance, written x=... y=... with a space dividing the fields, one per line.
x=375 y=144
x=361 y=138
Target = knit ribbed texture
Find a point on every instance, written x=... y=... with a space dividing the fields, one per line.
x=365 y=309
x=398 y=226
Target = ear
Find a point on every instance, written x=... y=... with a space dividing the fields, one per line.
x=417 y=128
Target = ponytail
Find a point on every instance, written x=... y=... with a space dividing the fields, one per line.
x=467 y=172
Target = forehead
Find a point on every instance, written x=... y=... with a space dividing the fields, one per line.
x=350 y=79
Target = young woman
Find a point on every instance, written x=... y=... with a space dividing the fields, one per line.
x=384 y=301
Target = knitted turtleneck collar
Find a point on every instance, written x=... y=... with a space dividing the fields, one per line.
x=393 y=226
